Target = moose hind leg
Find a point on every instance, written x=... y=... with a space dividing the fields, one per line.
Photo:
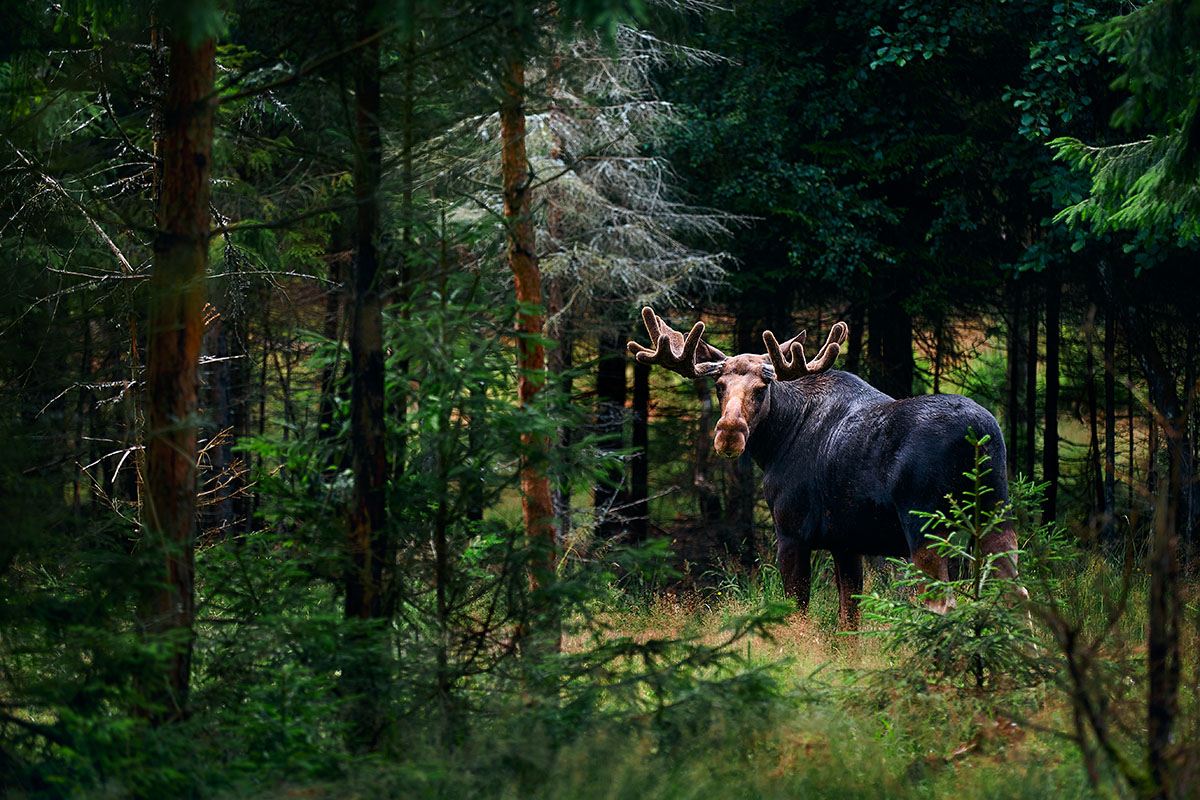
x=926 y=559
x=1004 y=540
x=795 y=567
x=848 y=573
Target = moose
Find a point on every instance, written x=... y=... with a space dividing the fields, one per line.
x=844 y=465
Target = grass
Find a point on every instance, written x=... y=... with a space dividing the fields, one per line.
x=832 y=731
x=837 y=722
x=841 y=731
x=834 y=721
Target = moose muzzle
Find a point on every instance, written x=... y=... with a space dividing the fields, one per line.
x=732 y=431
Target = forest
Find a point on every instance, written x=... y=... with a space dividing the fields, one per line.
x=342 y=461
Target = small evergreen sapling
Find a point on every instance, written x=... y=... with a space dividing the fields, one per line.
x=984 y=638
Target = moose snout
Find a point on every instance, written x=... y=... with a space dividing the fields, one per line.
x=731 y=436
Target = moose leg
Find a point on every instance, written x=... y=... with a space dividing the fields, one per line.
x=848 y=573
x=795 y=567
x=1004 y=540
x=928 y=561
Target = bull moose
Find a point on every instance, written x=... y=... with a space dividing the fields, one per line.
x=844 y=465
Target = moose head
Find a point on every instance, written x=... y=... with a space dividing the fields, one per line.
x=743 y=381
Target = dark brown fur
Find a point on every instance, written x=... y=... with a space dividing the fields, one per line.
x=844 y=465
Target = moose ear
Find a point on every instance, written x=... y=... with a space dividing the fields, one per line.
x=768 y=373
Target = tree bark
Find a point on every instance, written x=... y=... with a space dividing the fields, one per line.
x=1029 y=451
x=889 y=349
x=610 y=495
x=338 y=256
x=536 y=505
x=1095 y=460
x=83 y=404
x=217 y=514
x=1163 y=650
x=938 y=345
x=1165 y=604
x=854 y=345
x=1016 y=376
x=368 y=453
x=709 y=498
x=176 y=327
x=559 y=365
x=1188 y=430
x=1050 y=412
x=639 y=482
x=1108 y=532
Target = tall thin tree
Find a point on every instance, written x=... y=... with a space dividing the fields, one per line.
x=1050 y=439
x=176 y=327
x=368 y=533
x=536 y=505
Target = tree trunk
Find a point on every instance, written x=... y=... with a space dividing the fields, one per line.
x=239 y=413
x=1165 y=604
x=639 y=483
x=1029 y=451
x=367 y=524
x=854 y=345
x=1095 y=461
x=1050 y=439
x=216 y=513
x=364 y=674
x=176 y=327
x=1016 y=376
x=83 y=405
x=338 y=256
x=938 y=344
x=889 y=349
x=1188 y=430
x=559 y=363
x=1108 y=532
x=741 y=495
x=1152 y=455
x=610 y=494
x=536 y=506
x=710 y=499
x=1163 y=651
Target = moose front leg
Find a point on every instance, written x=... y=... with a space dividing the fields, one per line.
x=848 y=574
x=795 y=567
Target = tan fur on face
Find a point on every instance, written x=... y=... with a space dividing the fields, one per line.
x=742 y=391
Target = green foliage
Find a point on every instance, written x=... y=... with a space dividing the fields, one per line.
x=1149 y=182
x=897 y=156
x=873 y=144
x=984 y=638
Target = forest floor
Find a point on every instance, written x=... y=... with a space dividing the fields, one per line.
x=838 y=724
x=855 y=730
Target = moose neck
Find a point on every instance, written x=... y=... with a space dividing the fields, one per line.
x=802 y=412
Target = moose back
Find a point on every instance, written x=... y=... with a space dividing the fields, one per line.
x=844 y=465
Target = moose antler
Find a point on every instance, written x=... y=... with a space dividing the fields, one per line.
x=689 y=355
x=788 y=358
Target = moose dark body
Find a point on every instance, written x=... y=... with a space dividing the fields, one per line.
x=844 y=465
